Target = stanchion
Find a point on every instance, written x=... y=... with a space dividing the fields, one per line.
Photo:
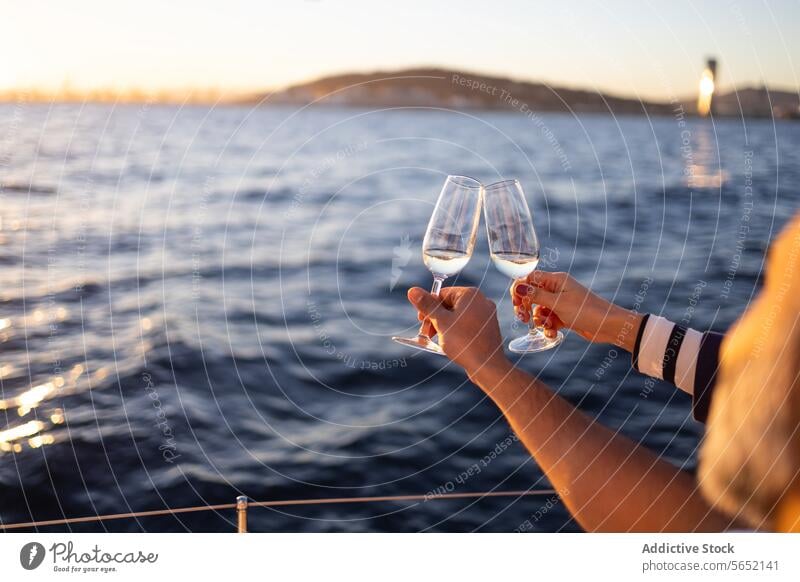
x=241 y=513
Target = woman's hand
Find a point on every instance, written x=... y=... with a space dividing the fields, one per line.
x=466 y=321
x=563 y=302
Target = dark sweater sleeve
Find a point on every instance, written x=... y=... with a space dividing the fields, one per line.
x=706 y=374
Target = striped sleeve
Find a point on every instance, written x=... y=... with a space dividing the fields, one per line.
x=682 y=356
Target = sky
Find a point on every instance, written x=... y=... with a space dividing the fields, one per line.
x=641 y=48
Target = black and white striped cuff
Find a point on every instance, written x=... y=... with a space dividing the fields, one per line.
x=667 y=351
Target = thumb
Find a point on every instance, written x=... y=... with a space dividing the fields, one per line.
x=426 y=303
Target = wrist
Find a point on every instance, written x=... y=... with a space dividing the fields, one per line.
x=624 y=328
x=484 y=372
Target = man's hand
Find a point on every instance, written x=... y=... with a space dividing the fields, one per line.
x=563 y=302
x=466 y=321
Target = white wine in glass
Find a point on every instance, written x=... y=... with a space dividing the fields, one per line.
x=514 y=248
x=448 y=244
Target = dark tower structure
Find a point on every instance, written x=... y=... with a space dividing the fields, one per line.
x=705 y=98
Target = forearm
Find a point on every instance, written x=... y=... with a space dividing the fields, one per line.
x=622 y=327
x=608 y=482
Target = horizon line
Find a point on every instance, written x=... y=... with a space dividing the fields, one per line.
x=232 y=94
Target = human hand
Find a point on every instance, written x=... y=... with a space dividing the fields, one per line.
x=562 y=302
x=466 y=321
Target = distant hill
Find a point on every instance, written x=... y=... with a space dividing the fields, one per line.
x=758 y=101
x=453 y=89
x=432 y=87
x=437 y=87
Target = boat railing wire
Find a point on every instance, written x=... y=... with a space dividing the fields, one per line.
x=242 y=504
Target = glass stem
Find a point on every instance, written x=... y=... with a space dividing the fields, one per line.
x=437 y=285
x=532 y=326
x=427 y=329
x=533 y=329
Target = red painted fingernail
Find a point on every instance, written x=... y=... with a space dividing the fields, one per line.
x=522 y=290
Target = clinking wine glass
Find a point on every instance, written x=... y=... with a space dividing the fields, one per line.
x=514 y=249
x=448 y=244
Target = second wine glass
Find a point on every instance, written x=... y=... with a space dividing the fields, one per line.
x=448 y=244
x=514 y=248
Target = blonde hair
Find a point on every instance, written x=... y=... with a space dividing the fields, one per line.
x=750 y=456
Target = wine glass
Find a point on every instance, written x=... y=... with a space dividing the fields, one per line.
x=448 y=244
x=514 y=249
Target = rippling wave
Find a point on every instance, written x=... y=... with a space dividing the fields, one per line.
x=196 y=304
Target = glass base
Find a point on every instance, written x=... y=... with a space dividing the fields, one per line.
x=533 y=342
x=421 y=342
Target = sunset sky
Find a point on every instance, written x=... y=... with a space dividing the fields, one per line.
x=637 y=47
